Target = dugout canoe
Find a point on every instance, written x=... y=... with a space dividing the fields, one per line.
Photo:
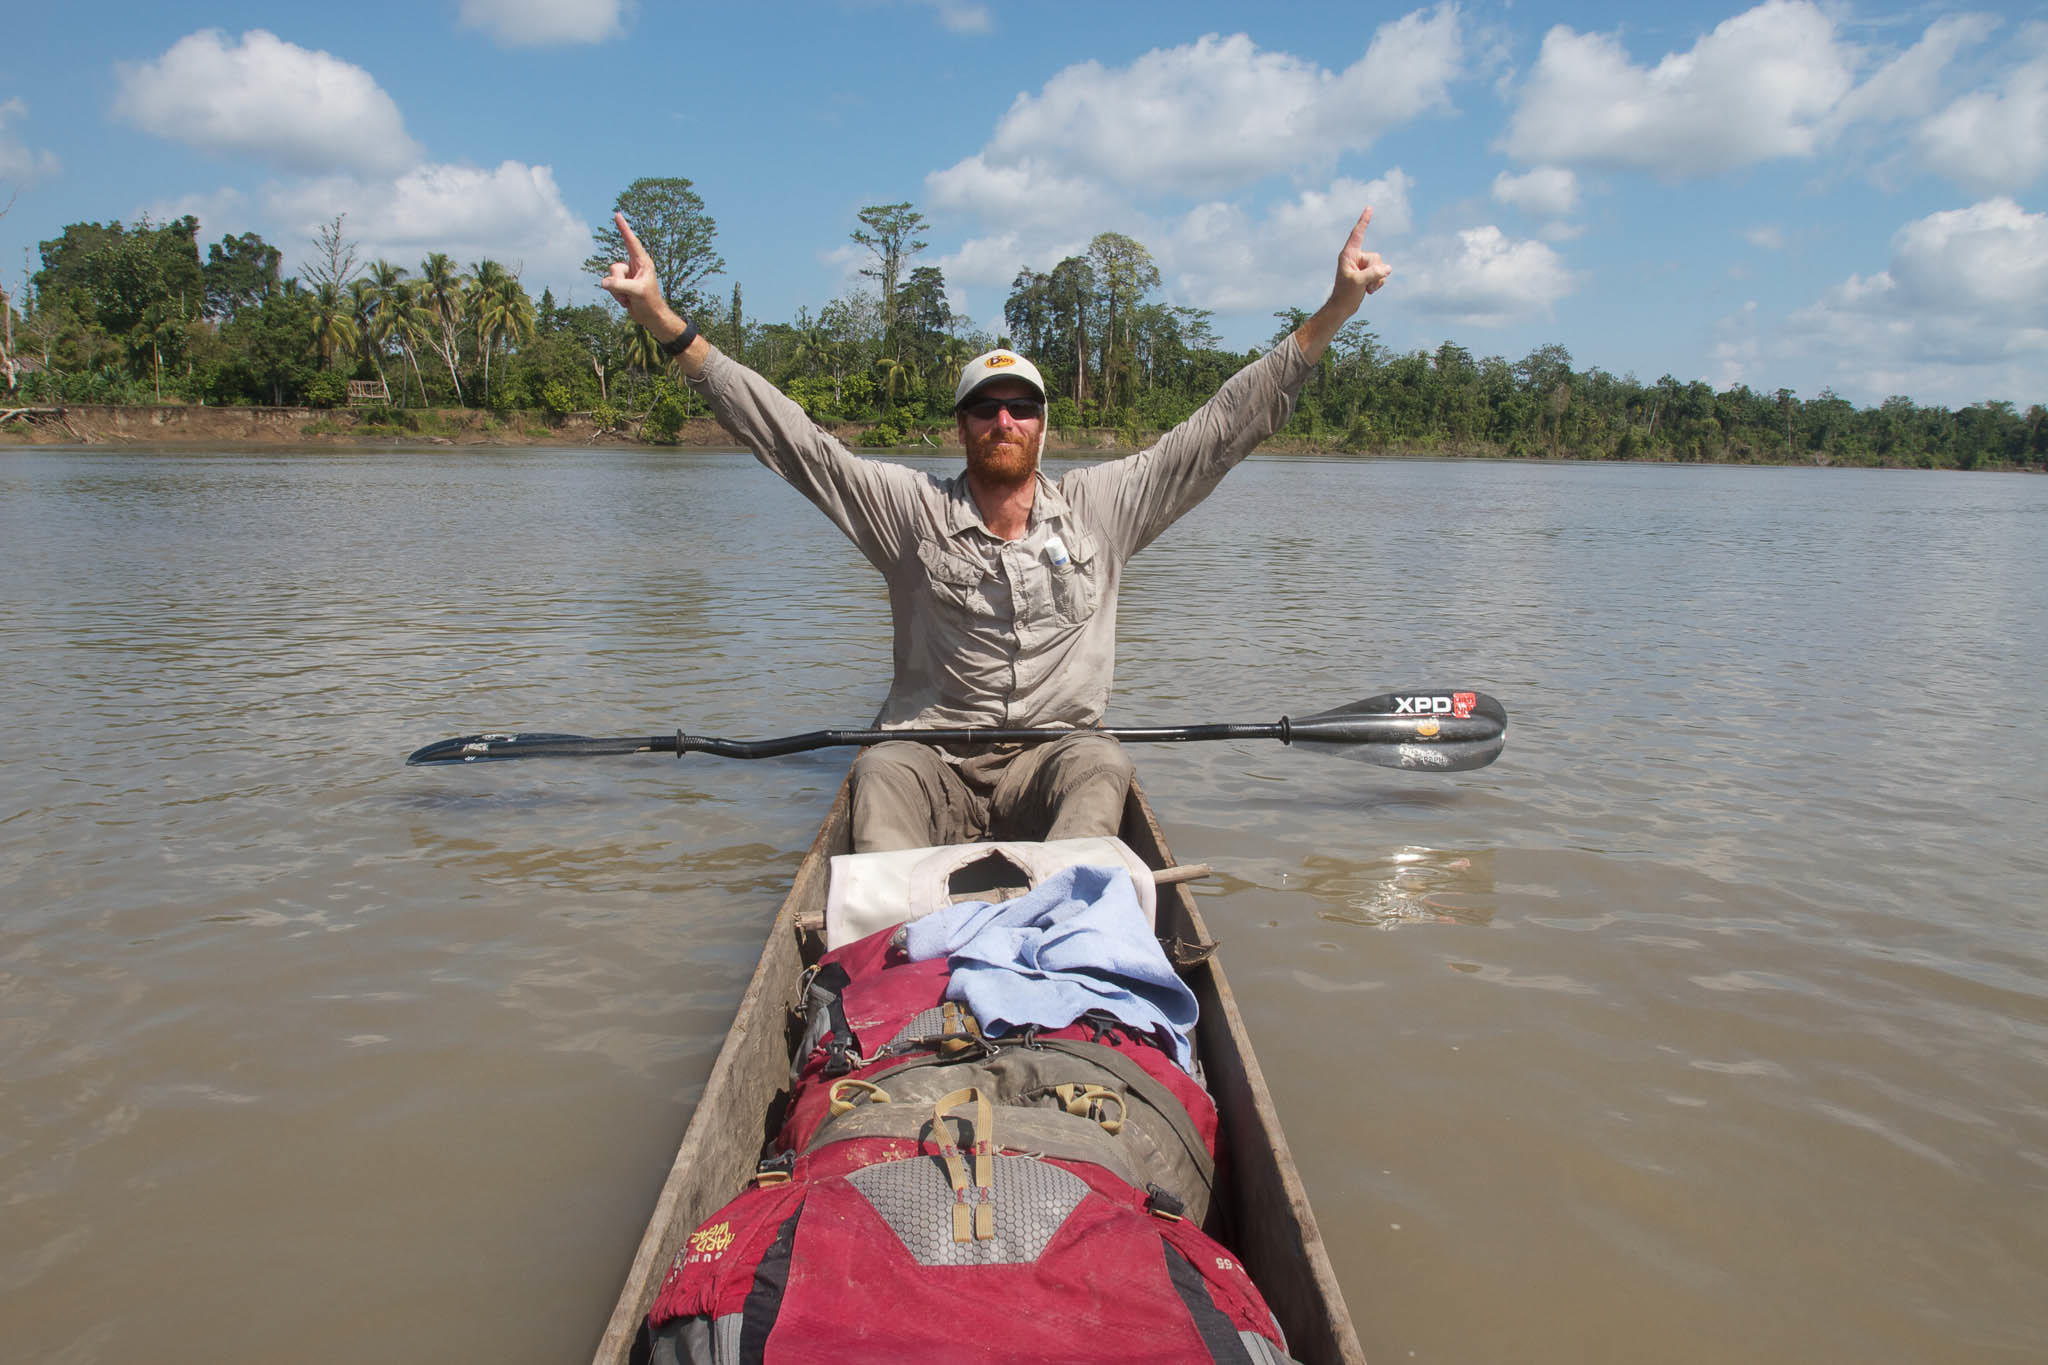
x=1260 y=1208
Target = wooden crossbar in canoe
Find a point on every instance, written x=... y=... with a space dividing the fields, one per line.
x=1260 y=1208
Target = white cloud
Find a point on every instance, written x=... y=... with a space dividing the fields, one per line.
x=1994 y=139
x=1959 y=313
x=513 y=214
x=221 y=213
x=1481 y=277
x=1219 y=113
x=1549 y=190
x=1767 y=236
x=962 y=16
x=545 y=23
x=1777 y=81
x=18 y=160
x=1023 y=194
x=264 y=97
x=1757 y=87
x=1217 y=257
x=1737 y=351
x=1910 y=85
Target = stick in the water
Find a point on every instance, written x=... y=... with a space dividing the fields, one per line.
x=1421 y=729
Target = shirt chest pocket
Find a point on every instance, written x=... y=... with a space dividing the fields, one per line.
x=1076 y=586
x=957 y=582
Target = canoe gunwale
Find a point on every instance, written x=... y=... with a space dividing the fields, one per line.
x=1281 y=1248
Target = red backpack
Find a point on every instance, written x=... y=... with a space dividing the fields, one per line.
x=953 y=1249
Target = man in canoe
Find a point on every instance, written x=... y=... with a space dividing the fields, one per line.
x=1002 y=583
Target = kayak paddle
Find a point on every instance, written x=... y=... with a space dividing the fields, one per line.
x=1424 y=730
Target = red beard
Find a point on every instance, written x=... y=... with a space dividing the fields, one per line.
x=1001 y=459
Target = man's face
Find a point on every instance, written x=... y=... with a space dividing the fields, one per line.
x=1001 y=449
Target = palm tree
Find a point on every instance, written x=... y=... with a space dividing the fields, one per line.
x=893 y=377
x=392 y=304
x=333 y=327
x=441 y=290
x=643 y=352
x=947 y=362
x=815 y=350
x=500 y=309
x=362 y=299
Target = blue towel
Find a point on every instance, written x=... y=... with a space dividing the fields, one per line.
x=1076 y=942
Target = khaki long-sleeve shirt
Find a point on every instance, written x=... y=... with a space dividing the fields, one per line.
x=993 y=632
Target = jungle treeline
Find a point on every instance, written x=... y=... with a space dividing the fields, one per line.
x=142 y=313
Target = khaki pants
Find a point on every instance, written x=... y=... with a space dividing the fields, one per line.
x=909 y=795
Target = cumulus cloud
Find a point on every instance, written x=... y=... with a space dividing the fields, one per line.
x=1216 y=114
x=513 y=214
x=1960 y=310
x=215 y=211
x=1220 y=257
x=1169 y=148
x=1777 y=81
x=1031 y=193
x=1481 y=277
x=1552 y=191
x=263 y=97
x=545 y=23
x=1995 y=139
x=18 y=160
x=1910 y=85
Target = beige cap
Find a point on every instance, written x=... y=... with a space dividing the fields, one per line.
x=996 y=365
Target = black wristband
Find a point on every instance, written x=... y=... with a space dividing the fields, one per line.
x=677 y=345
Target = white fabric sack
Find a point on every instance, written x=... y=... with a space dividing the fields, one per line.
x=874 y=891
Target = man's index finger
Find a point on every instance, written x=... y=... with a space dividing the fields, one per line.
x=633 y=247
x=1358 y=230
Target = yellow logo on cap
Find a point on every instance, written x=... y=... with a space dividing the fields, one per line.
x=998 y=361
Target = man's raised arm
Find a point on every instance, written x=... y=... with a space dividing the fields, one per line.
x=1359 y=272
x=633 y=284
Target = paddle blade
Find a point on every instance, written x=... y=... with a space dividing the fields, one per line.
x=1421 y=729
x=486 y=748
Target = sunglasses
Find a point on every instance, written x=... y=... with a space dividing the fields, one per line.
x=1020 y=409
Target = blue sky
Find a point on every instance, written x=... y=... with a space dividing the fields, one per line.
x=1789 y=194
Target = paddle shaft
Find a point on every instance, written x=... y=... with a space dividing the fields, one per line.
x=1359 y=730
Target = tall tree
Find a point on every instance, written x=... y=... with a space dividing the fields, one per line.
x=240 y=272
x=499 y=309
x=441 y=291
x=889 y=232
x=390 y=301
x=1124 y=274
x=334 y=255
x=333 y=321
x=1070 y=310
x=669 y=219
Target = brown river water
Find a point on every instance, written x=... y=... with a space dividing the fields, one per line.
x=1709 y=1023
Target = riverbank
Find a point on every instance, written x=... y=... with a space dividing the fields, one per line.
x=184 y=425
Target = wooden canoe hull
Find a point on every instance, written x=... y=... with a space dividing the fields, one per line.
x=1261 y=1209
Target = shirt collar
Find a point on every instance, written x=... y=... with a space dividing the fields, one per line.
x=962 y=515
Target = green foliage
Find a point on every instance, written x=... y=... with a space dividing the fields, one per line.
x=326 y=390
x=240 y=272
x=885 y=433
x=555 y=400
x=665 y=418
x=128 y=314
